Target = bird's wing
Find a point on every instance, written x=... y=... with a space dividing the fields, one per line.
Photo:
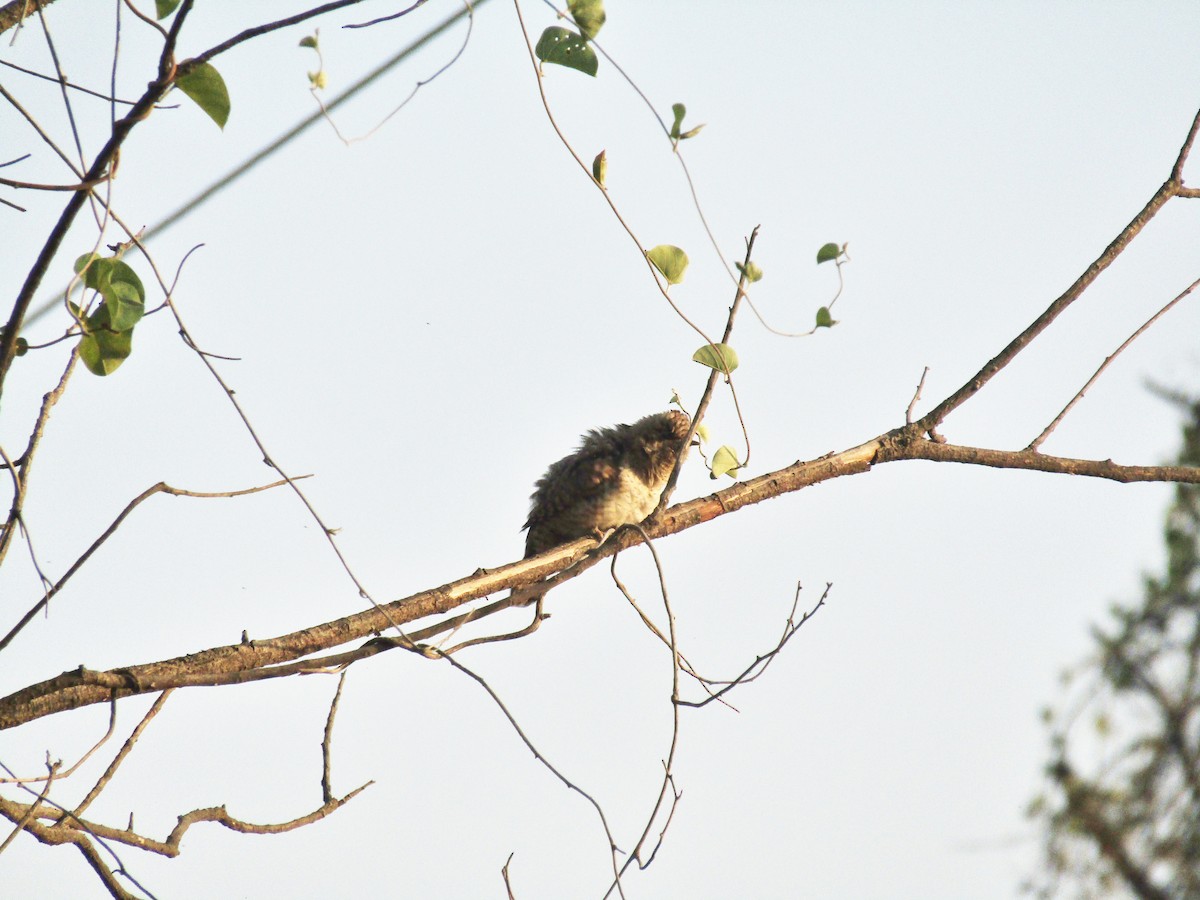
x=570 y=487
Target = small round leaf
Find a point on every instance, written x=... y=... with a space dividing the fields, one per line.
x=588 y=15
x=751 y=270
x=717 y=356
x=828 y=252
x=725 y=462
x=670 y=260
x=104 y=351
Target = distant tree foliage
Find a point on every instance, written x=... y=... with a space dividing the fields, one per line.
x=1122 y=807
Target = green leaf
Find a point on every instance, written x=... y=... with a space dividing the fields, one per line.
x=752 y=272
x=600 y=167
x=825 y=318
x=588 y=15
x=22 y=346
x=163 y=8
x=83 y=261
x=125 y=307
x=717 y=356
x=206 y=87
x=104 y=351
x=120 y=273
x=564 y=47
x=725 y=462
x=680 y=111
x=124 y=297
x=828 y=252
x=670 y=260
x=309 y=41
x=691 y=132
x=96 y=270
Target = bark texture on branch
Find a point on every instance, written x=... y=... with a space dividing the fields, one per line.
x=249 y=660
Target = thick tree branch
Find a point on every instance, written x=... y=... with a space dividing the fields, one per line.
x=1172 y=187
x=17 y=11
x=1038 y=462
x=251 y=659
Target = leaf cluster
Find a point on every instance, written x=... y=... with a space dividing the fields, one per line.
x=564 y=47
x=108 y=328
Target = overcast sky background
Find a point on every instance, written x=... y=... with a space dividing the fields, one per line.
x=426 y=319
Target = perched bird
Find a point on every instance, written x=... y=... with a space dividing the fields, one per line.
x=616 y=477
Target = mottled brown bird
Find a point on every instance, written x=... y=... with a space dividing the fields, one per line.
x=615 y=478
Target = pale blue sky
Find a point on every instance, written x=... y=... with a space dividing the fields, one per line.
x=428 y=318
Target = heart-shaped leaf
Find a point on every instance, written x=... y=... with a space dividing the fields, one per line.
x=717 y=356
x=564 y=47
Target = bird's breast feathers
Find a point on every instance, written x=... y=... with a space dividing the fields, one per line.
x=630 y=501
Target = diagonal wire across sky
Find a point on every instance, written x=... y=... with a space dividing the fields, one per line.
x=295 y=131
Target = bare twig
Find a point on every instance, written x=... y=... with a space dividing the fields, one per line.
x=916 y=397
x=62 y=82
x=80 y=834
x=327 y=743
x=1172 y=187
x=26 y=459
x=534 y=625
x=66 y=773
x=1037 y=441
x=33 y=186
x=144 y=18
x=684 y=663
x=668 y=784
x=68 y=831
x=74 y=87
x=504 y=874
x=706 y=395
x=678 y=152
x=687 y=174
x=586 y=169
x=24 y=821
x=268 y=27
x=403 y=12
x=570 y=785
x=121 y=756
x=160 y=488
x=207 y=359
x=41 y=132
x=760 y=664
x=470 y=12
